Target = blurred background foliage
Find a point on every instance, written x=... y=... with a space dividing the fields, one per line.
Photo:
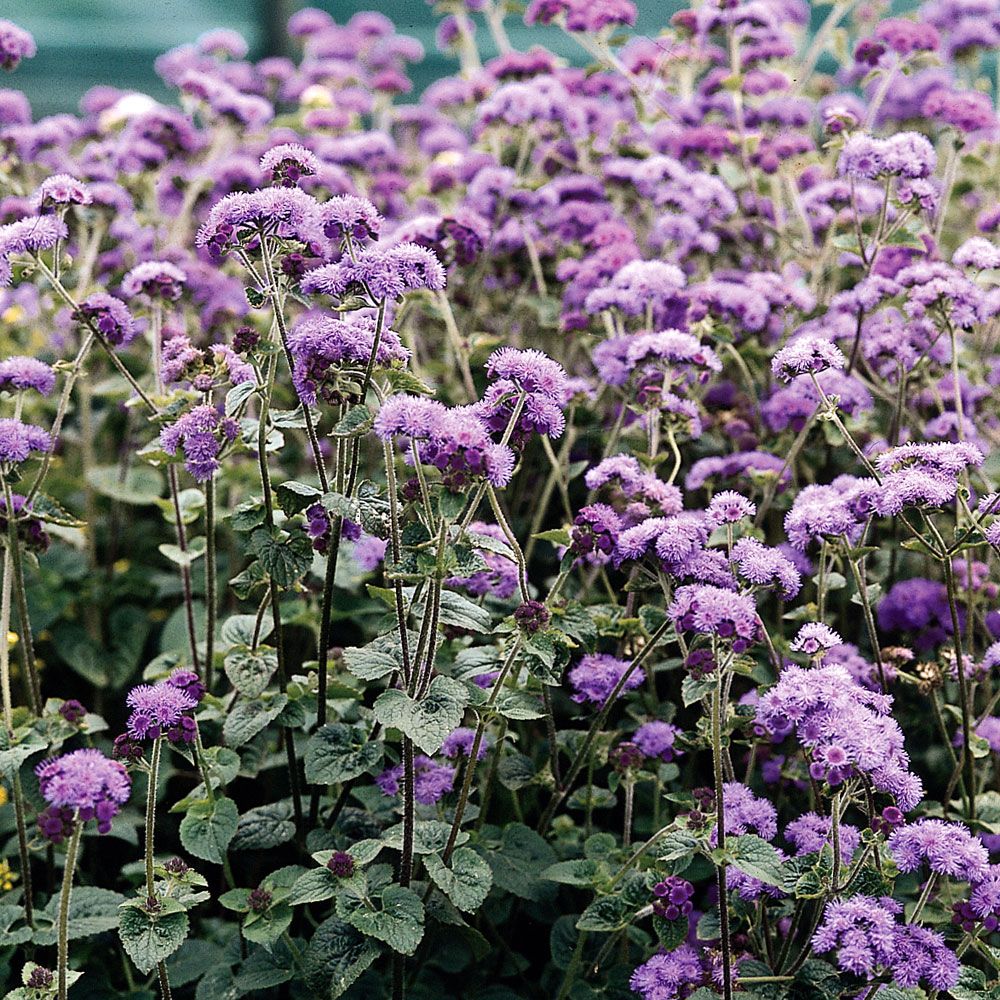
x=86 y=42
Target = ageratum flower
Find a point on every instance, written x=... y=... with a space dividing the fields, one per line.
x=288 y=163
x=458 y=743
x=657 y=740
x=156 y=279
x=161 y=709
x=454 y=441
x=922 y=475
x=595 y=532
x=242 y=219
x=640 y=285
x=530 y=376
x=202 y=433
x=815 y=638
x=597 y=674
x=979 y=253
x=709 y=610
x=680 y=353
x=669 y=975
x=810 y=833
x=110 y=316
x=827 y=512
x=20 y=374
x=806 y=355
x=59 y=192
x=15 y=44
x=764 y=566
x=633 y=487
x=348 y=216
x=946 y=848
x=18 y=441
x=83 y=783
x=323 y=347
x=967 y=110
x=730 y=507
x=431 y=781
x=845 y=727
x=28 y=236
x=382 y=274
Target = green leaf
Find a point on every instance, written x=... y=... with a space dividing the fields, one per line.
x=140 y=486
x=676 y=845
x=284 y=556
x=265 y=928
x=557 y=536
x=605 y=914
x=238 y=395
x=518 y=863
x=250 y=672
x=403 y=380
x=266 y=968
x=91 y=911
x=692 y=691
x=337 y=954
x=294 y=497
x=467 y=883
x=379 y=657
x=671 y=933
x=757 y=858
x=264 y=827
x=150 y=938
x=399 y=923
x=429 y=721
x=339 y=752
x=580 y=871
x=519 y=706
x=460 y=612
x=357 y=421
x=247 y=718
x=208 y=828
x=314 y=886
x=238 y=630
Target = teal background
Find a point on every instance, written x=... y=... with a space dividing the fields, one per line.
x=85 y=42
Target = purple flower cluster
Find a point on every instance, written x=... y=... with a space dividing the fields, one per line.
x=598 y=674
x=201 y=434
x=83 y=784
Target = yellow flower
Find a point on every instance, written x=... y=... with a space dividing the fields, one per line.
x=12 y=638
x=7 y=877
x=122 y=566
x=4 y=796
x=13 y=314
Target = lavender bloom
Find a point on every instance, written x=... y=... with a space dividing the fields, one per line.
x=85 y=782
x=242 y=219
x=968 y=110
x=431 y=781
x=806 y=355
x=921 y=955
x=379 y=273
x=161 y=710
x=458 y=743
x=454 y=441
x=596 y=675
x=635 y=484
x=638 y=286
x=20 y=373
x=595 y=532
x=827 y=512
x=110 y=316
x=810 y=833
x=30 y=236
x=156 y=279
x=346 y=216
x=766 y=567
x=323 y=347
x=201 y=432
x=863 y=930
x=18 y=441
x=922 y=475
x=979 y=253
x=15 y=44
x=288 y=163
x=730 y=507
x=947 y=849
x=656 y=739
x=188 y=682
x=815 y=638
x=845 y=727
x=713 y=611
x=532 y=378
x=669 y=975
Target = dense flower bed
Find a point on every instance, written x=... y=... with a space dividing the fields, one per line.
x=537 y=541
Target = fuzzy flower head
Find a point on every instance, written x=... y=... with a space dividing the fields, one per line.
x=379 y=274
x=454 y=441
x=629 y=486
x=87 y=783
x=59 y=192
x=946 y=848
x=15 y=44
x=657 y=739
x=815 y=639
x=595 y=532
x=708 y=610
x=202 y=433
x=155 y=279
x=18 y=441
x=161 y=709
x=764 y=566
x=846 y=728
x=669 y=975
x=288 y=163
x=20 y=374
x=806 y=355
x=595 y=677
x=346 y=217
x=431 y=781
x=243 y=219
x=110 y=316
x=529 y=384
x=459 y=743
x=28 y=236
x=922 y=475
x=324 y=349
x=730 y=507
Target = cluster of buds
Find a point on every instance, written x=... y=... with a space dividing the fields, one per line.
x=532 y=616
x=626 y=757
x=341 y=864
x=704 y=806
x=700 y=663
x=673 y=897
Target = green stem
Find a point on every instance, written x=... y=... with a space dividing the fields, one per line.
x=186 y=587
x=211 y=583
x=720 y=820
x=72 y=850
